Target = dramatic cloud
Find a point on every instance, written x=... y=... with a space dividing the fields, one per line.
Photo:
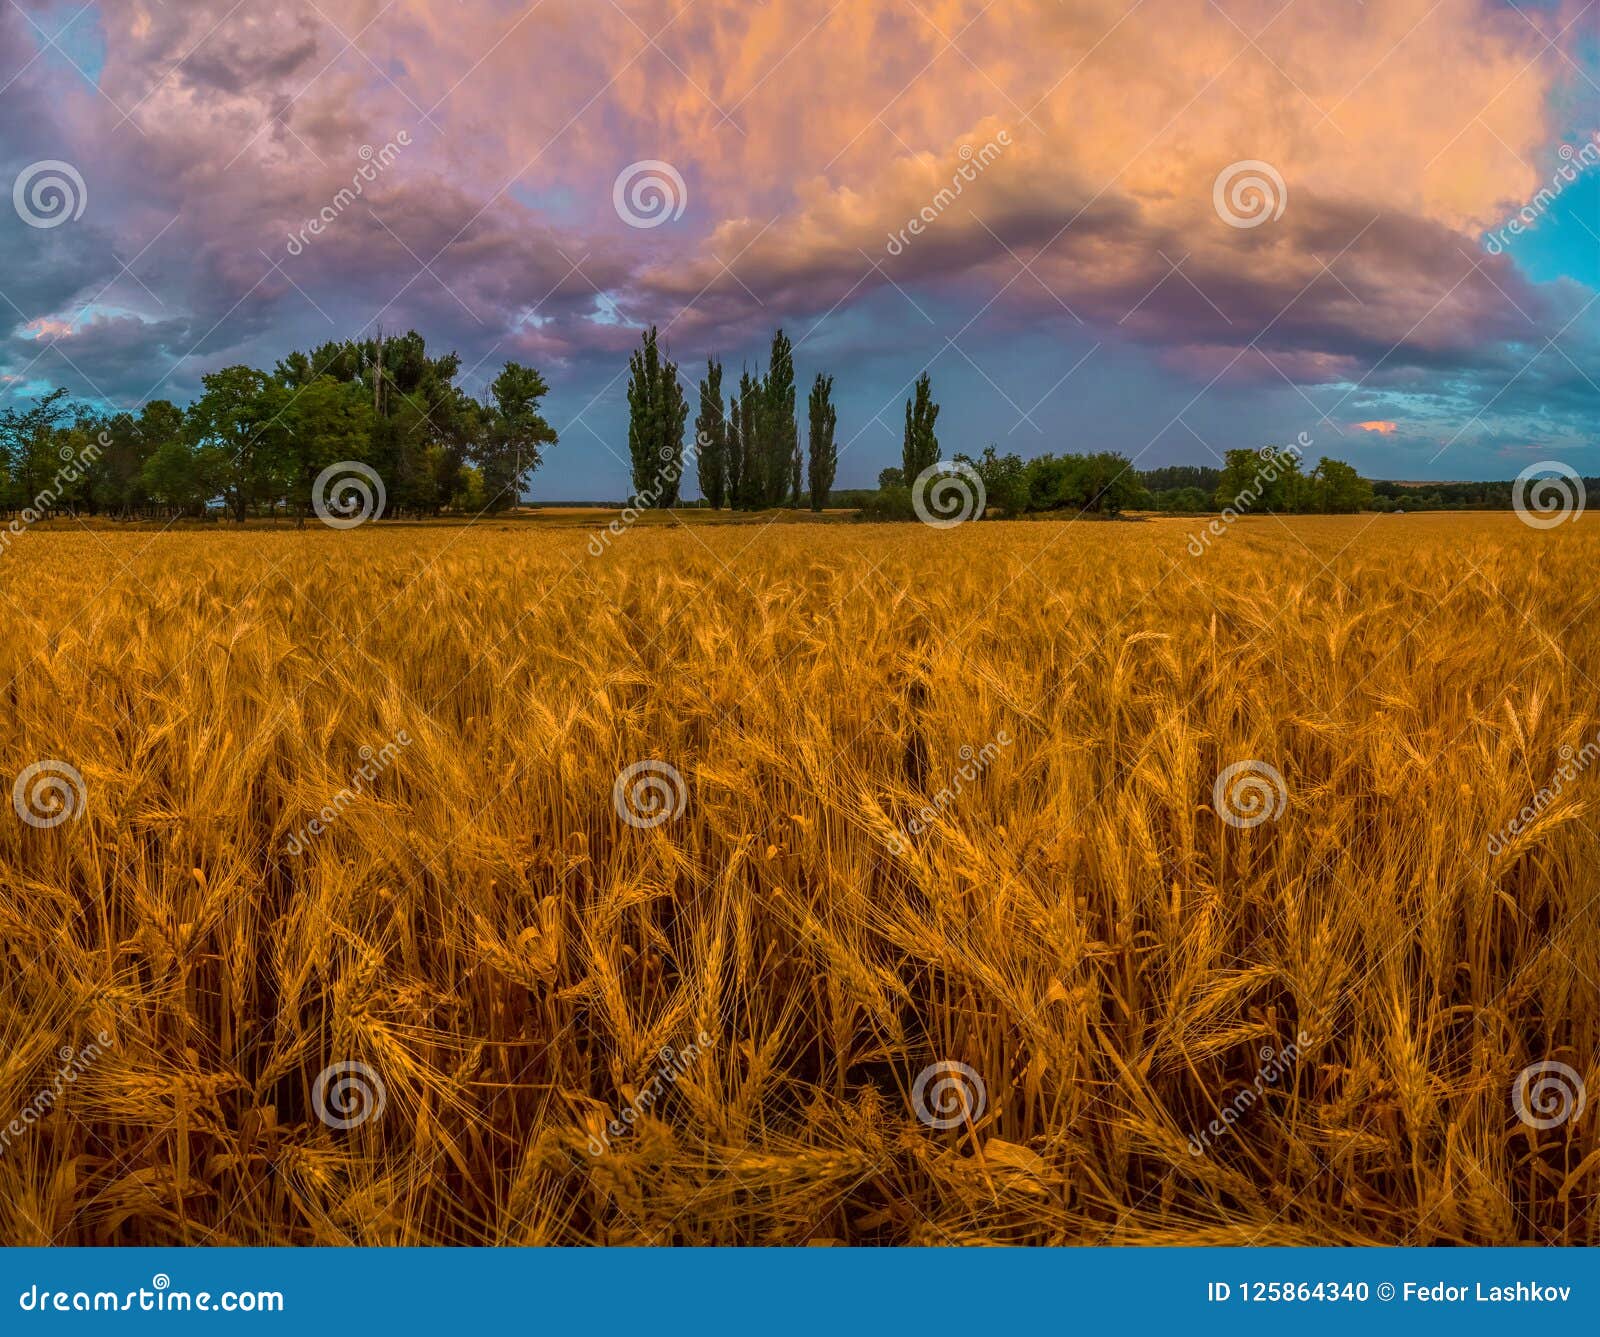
x=1263 y=215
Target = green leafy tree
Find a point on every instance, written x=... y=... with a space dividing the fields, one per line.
x=920 y=450
x=1004 y=477
x=235 y=420
x=824 y=450
x=510 y=442
x=326 y=422
x=172 y=478
x=711 y=439
x=1337 y=489
x=657 y=412
x=1264 y=481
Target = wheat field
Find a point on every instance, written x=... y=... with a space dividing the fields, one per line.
x=357 y=920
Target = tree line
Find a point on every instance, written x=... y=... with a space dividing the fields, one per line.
x=257 y=442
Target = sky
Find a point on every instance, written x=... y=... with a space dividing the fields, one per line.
x=1163 y=227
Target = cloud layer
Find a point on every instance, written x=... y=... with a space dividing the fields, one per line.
x=997 y=190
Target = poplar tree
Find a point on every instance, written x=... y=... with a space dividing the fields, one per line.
x=920 y=450
x=780 y=435
x=824 y=451
x=711 y=439
x=657 y=412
